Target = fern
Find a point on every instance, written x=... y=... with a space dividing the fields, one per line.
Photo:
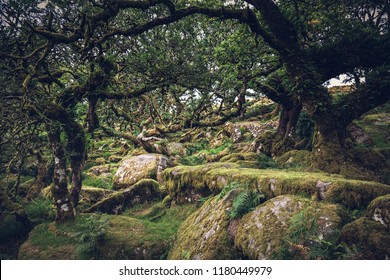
x=92 y=234
x=245 y=202
x=228 y=188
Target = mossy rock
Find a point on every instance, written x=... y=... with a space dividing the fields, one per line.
x=92 y=195
x=176 y=149
x=249 y=159
x=125 y=238
x=129 y=238
x=370 y=159
x=143 y=191
x=205 y=234
x=379 y=210
x=115 y=158
x=134 y=168
x=294 y=158
x=288 y=227
x=14 y=222
x=187 y=183
x=100 y=169
x=355 y=194
x=147 y=234
x=100 y=160
x=10 y=227
x=370 y=239
x=47 y=242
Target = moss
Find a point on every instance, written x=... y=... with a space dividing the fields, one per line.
x=91 y=195
x=368 y=237
x=142 y=191
x=295 y=158
x=47 y=242
x=355 y=194
x=167 y=201
x=379 y=210
x=98 y=182
x=204 y=235
x=184 y=183
x=288 y=227
x=129 y=238
x=10 y=227
x=125 y=237
x=250 y=159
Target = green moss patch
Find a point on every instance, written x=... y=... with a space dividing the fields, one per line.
x=379 y=210
x=204 y=235
x=144 y=190
x=369 y=238
x=145 y=235
x=289 y=227
x=295 y=158
x=185 y=182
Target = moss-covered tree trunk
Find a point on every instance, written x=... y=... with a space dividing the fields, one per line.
x=76 y=148
x=39 y=182
x=59 y=188
x=284 y=139
x=92 y=120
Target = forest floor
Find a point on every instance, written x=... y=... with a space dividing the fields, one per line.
x=215 y=198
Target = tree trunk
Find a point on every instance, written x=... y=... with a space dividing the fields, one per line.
x=76 y=147
x=59 y=188
x=285 y=135
x=39 y=182
x=92 y=120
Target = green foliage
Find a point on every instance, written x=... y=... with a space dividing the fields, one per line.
x=97 y=182
x=245 y=202
x=10 y=227
x=195 y=147
x=229 y=187
x=40 y=209
x=264 y=162
x=192 y=160
x=304 y=231
x=92 y=233
x=302 y=225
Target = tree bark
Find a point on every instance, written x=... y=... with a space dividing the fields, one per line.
x=285 y=136
x=92 y=120
x=59 y=188
x=39 y=182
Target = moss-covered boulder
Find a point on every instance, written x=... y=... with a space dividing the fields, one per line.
x=92 y=195
x=145 y=190
x=129 y=238
x=288 y=227
x=368 y=239
x=187 y=183
x=123 y=238
x=176 y=149
x=379 y=210
x=100 y=169
x=254 y=129
x=14 y=222
x=134 y=168
x=249 y=159
x=205 y=234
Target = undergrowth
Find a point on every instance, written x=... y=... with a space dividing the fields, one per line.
x=92 y=234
